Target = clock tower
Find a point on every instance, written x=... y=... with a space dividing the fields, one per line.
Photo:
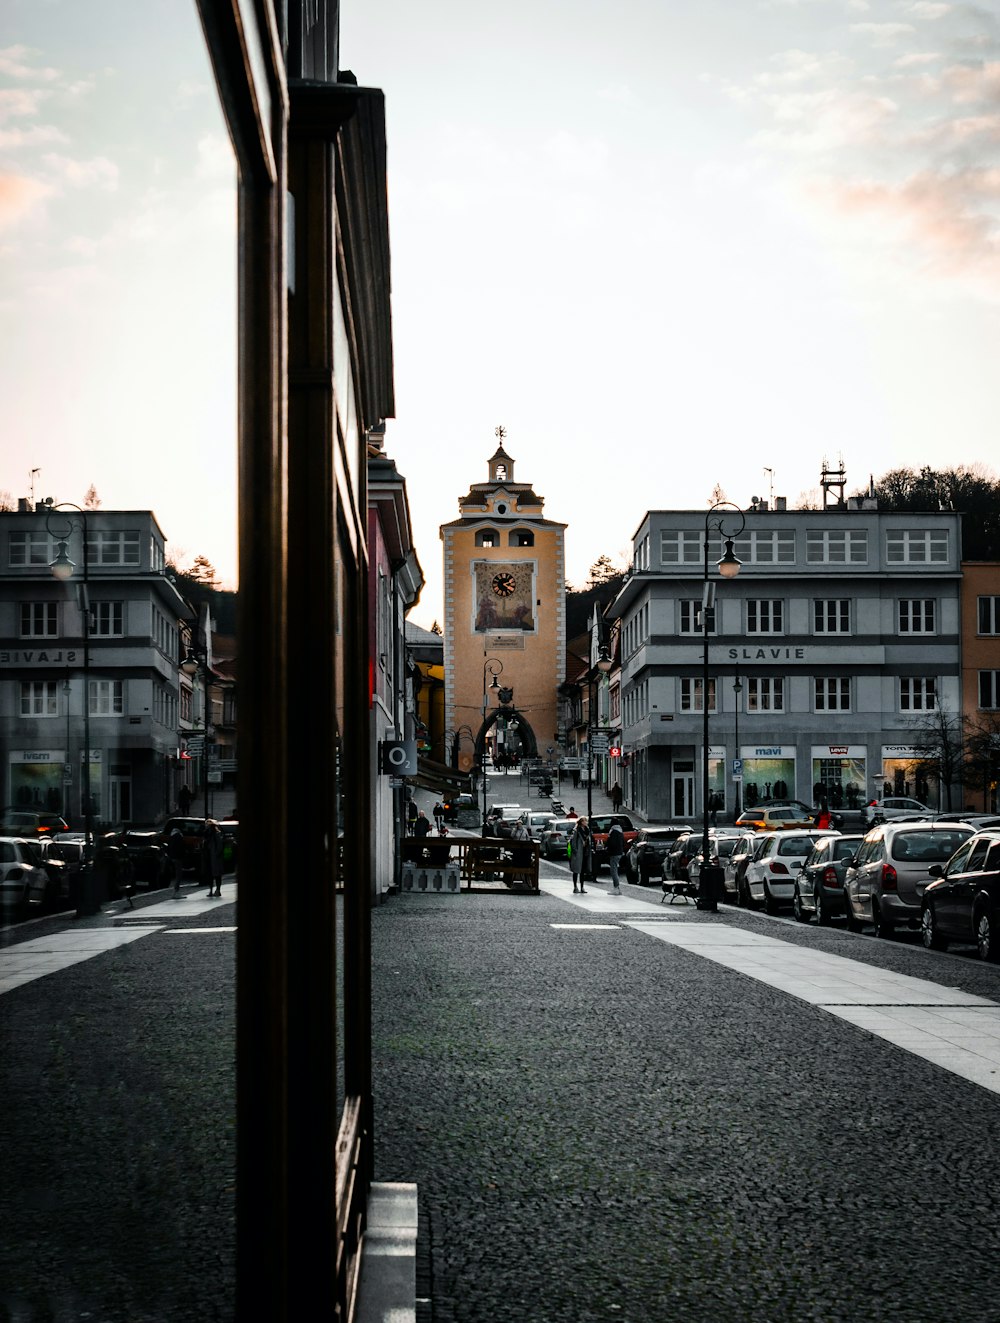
x=505 y=619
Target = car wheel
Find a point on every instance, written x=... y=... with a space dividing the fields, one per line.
x=770 y=904
x=797 y=909
x=630 y=873
x=743 y=896
x=853 y=924
x=883 y=928
x=822 y=913
x=987 y=937
x=929 y=932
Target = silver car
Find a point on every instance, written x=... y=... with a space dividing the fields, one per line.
x=772 y=871
x=895 y=806
x=555 y=837
x=884 y=885
x=536 y=823
x=23 y=879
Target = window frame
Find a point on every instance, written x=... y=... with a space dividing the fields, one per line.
x=910 y=539
x=98 y=608
x=823 y=540
x=757 y=686
x=834 y=686
x=690 y=695
x=775 y=606
x=28 y=626
x=983 y=612
x=115 y=691
x=928 y=605
x=993 y=683
x=928 y=688
x=45 y=690
x=842 y=607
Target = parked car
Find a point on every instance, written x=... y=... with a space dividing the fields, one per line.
x=896 y=806
x=736 y=867
x=145 y=848
x=770 y=819
x=819 y=887
x=600 y=825
x=68 y=848
x=555 y=837
x=192 y=830
x=720 y=844
x=771 y=872
x=23 y=879
x=647 y=856
x=28 y=823
x=536 y=822
x=884 y=885
x=682 y=851
x=962 y=903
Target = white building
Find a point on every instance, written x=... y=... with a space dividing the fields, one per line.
x=124 y=667
x=836 y=640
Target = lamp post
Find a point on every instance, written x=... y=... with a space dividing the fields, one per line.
x=60 y=526
x=493 y=667
x=737 y=780
x=603 y=666
x=710 y=877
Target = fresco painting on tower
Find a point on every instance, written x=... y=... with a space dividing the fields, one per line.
x=504 y=595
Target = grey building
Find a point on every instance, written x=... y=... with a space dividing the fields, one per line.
x=122 y=662
x=829 y=653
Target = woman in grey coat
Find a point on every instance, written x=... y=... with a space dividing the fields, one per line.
x=579 y=852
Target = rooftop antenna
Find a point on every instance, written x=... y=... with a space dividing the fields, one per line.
x=770 y=492
x=31 y=477
x=832 y=480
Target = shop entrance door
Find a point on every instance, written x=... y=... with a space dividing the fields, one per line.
x=683 y=787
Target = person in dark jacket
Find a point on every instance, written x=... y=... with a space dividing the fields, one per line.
x=579 y=853
x=175 y=853
x=211 y=857
x=421 y=827
x=616 y=848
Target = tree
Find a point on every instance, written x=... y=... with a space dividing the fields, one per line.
x=603 y=572
x=718 y=495
x=91 y=501
x=982 y=757
x=941 y=754
x=972 y=492
x=7 y=501
x=203 y=571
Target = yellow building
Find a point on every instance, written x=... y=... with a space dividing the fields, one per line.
x=505 y=619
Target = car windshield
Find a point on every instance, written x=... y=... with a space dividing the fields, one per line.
x=725 y=845
x=927 y=847
x=794 y=845
x=844 y=847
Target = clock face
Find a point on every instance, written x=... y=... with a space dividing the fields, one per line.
x=503 y=584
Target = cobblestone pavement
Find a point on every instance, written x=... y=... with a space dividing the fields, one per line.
x=602 y=1126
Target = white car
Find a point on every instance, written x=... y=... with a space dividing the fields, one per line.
x=23 y=879
x=536 y=823
x=774 y=867
x=895 y=806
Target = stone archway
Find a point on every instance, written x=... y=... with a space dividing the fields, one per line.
x=520 y=733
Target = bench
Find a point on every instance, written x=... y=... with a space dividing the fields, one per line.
x=673 y=889
x=494 y=860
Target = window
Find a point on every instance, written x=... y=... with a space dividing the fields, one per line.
x=106 y=619
x=113 y=548
x=521 y=537
x=39 y=698
x=833 y=546
x=690 y=617
x=681 y=548
x=766 y=546
x=487 y=537
x=989 y=689
x=832 y=615
x=832 y=694
x=765 y=694
x=39 y=620
x=917 y=694
x=692 y=690
x=186 y=704
x=916 y=615
x=157 y=558
x=907 y=546
x=989 y=615
x=765 y=615
x=34 y=548
x=107 y=698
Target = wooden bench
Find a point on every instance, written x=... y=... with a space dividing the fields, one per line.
x=674 y=888
x=513 y=863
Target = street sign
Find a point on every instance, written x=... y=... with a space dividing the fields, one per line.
x=196 y=747
x=599 y=743
x=737 y=767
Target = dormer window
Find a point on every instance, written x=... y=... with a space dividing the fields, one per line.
x=487 y=537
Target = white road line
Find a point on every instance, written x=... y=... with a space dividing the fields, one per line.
x=951 y=1028
x=47 y=955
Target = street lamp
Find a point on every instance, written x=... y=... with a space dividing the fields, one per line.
x=738 y=779
x=492 y=666
x=60 y=526
x=195 y=659
x=710 y=877
x=603 y=666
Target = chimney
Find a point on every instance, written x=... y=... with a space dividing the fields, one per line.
x=23 y=505
x=781 y=503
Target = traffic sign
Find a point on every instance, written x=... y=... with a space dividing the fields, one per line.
x=737 y=767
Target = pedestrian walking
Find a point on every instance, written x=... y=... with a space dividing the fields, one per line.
x=616 y=796
x=714 y=804
x=421 y=827
x=184 y=800
x=411 y=815
x=823 y=818
x=438 y=812
x=175 y=853
x=211 y=857
x=616 y=848
x=580 y=845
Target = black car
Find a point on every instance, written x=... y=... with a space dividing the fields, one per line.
x=29 y=824
x=647 y=856
x=147 y=854
x=819 y=888
x=962 y=904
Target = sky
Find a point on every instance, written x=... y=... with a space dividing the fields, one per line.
x=667 y=245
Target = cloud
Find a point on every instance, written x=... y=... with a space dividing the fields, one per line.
x=14 y=64
x=33 y=137
x=929 y=10
x=916 y=60
x=883 y=34
x=19 y=196
x=576 y=157
x=98 y=172
x=975 y=82
x=20 y=102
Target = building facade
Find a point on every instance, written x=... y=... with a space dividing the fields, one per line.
x=829 y=655
x=110 y=679
x=505 y=616
x=981 y=680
